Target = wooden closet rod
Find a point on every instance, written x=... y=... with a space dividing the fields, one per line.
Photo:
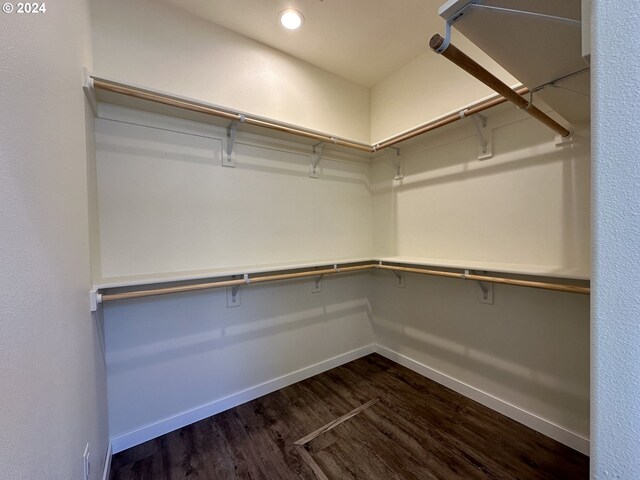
x=142 y=94
x=111 y=297
x=484 y=278
x=209 y=110
x=452 y=117
x=474 y=68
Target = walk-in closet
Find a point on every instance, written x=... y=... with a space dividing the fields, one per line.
x=319 y=239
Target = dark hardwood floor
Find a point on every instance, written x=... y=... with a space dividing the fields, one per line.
x=410 y=428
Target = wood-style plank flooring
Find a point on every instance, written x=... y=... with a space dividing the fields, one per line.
x=417 y=429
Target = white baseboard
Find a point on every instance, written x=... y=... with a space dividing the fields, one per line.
x=562 y=435
x=154 y=430
x=106 y=470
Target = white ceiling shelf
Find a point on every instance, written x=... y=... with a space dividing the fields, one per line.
x=537 y=42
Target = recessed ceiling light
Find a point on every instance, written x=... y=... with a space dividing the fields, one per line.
x=291 y=19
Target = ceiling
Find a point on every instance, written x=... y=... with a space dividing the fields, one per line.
x=361 y=40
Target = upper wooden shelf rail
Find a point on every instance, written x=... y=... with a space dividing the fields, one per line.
x=221 y=112
x=108 y=295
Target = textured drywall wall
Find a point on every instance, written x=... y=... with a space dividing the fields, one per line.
x=426 y=88
x=158 y=46
x=166 y=203
x=529 y=349
x=169 y=355
x=527 y=205
x=616 y=227
x=52 y=373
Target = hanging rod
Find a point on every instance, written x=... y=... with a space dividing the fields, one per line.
x=446 y=120
x=219 y=112
x=484 y=278
x=314 y=272
x=474 y=68
x=246 y=280
x=143 y=94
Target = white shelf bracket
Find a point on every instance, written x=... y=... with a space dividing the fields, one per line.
x=396 y=161
x=400 y=278
x=317 y=284
x=485 y=291
x=233 y=296
x=89 y=91
x=95 y=299
x=229 y=155
x=316 y=156
x=485 y=143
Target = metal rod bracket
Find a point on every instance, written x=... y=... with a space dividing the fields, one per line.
x=564 y=141
x=229 y=155
x=233 y=296
x=485 y=290
x=485 y=144
x=317 y=284
x=447 y=27
x=95 y=299
x=400 y=279
x=316 y=156
x=396 y=161
x=447 y=36
x=89 y=91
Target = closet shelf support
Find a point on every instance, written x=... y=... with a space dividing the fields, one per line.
x=316 y=156
x=93 y=83
x=229 y=158
x=396 y=160
x=97 y=297
x=453 y=54
x=485 y=145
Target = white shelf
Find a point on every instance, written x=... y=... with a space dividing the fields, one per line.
x=131 y=281
x=511 y=268
x=533 y=48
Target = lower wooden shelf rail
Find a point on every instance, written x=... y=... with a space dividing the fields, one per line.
x=107 y=295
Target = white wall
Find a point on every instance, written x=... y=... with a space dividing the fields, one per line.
x=173 y=360
x=530 y=349
x=155 y=45
x=52 y=372
x=176 y=359
x=426 y=88
x=616 y=205
x=166 y=203
x=528 y=205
